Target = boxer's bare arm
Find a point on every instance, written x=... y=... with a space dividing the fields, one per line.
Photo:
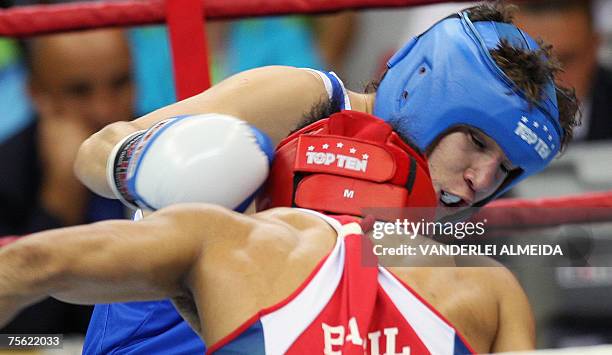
x=274 y=99
x=516 y=324
x=184 y=252
x=115 y=260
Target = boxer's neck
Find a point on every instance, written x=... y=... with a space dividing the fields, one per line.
x=362 y=102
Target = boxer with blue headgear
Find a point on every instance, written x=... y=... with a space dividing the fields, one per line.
x=472 y=72
x=446 y=78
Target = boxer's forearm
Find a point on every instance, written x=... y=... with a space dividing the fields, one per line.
x=86 y=264
x=274 y=99
x=106 y=262
x=90 y=163
x=18 y=287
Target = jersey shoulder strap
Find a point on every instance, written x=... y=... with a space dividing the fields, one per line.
x=336 y=91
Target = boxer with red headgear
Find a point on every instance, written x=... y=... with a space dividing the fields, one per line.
x=345 y=163
x=286 y=280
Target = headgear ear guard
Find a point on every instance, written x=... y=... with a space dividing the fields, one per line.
x=346 y=163
x=446 y=78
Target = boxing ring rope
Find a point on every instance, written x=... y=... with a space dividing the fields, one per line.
x=22 y=21
x=590 y=207
x=184 y=18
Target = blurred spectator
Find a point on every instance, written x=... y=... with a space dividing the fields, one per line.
x=78 y=83
x=569 y=26
x=335 y=34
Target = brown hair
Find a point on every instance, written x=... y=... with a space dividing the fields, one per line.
x=530 y=71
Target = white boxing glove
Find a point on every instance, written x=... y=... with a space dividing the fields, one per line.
x=209 y=158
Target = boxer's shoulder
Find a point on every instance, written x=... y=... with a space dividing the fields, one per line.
x=282 y=248
x=276 y=75
x=482 y=289
x=295 y=233
x=475 y=300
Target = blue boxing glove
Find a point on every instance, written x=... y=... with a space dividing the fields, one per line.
x=210 y=158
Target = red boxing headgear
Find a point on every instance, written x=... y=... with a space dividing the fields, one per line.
x=345 y=163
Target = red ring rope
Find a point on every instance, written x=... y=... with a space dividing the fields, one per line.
x=552 y=211
x=39 y=19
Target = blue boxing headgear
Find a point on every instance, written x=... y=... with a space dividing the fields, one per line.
x=446 y=78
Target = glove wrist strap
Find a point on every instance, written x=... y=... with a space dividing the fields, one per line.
x=117 y=168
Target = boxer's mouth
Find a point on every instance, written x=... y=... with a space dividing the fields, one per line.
x=451 y=200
